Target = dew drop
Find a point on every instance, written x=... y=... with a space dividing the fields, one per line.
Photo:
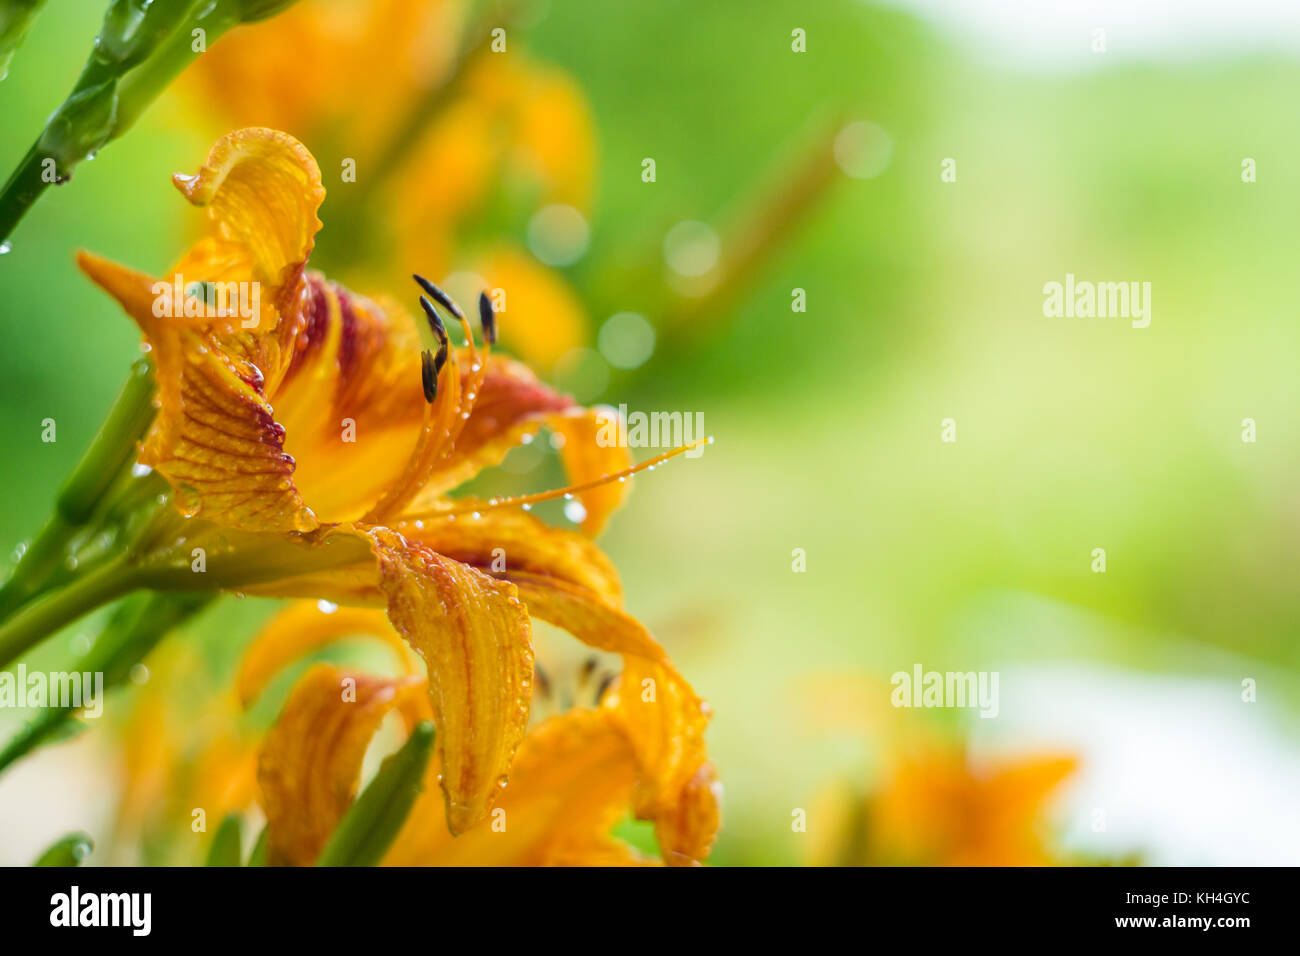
x=139 y=674
x=5 y=248
x=326 y=607
x=188 y=501
x=305 y=520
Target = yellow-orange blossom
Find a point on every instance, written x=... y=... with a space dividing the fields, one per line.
x=251 y=437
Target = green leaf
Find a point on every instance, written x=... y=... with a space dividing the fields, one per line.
x=134 y=628
x=70 y=850
x=16 y=18
x=369 y=827
x=226 y=845
x=261 y=849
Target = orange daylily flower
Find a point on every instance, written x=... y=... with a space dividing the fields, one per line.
x=933 y=805
x=468 y=125
x=310 y=442
x=941 y=809
x=575 y=776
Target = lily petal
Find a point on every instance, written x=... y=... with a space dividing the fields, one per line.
x=262 y=189
x=590 y=453
x=216 y=439
x=511 y=540
x=665 y=721
x=571 y=782
x=304 y=627
x=311 y=759
x=473 y=633
x=563 y=578
x=686 y=831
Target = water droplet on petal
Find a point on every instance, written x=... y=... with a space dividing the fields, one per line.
x=188 y=501
x=305 y=520
x=326 y=607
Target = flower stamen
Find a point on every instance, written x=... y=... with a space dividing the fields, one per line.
x=487 y=318
x=527 y=501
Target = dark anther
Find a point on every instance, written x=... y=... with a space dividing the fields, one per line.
x=442 y=298
x=543 y=682
x=429 y=375
x=439 y=331
x=488 y=318
x=603 y=687
x=588 y=668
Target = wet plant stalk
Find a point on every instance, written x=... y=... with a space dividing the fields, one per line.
x=110 y=453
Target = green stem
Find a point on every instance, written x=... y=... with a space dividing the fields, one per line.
x=113 y=449
x=39 y=620
x=109 y=454
x=133 y=630
x=371 y=824
x=23 y=188
x=140 y=48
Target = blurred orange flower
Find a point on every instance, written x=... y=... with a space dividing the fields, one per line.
x=447 y=147
x=931 y=804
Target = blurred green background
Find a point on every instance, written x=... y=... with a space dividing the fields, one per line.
x=924 y=302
